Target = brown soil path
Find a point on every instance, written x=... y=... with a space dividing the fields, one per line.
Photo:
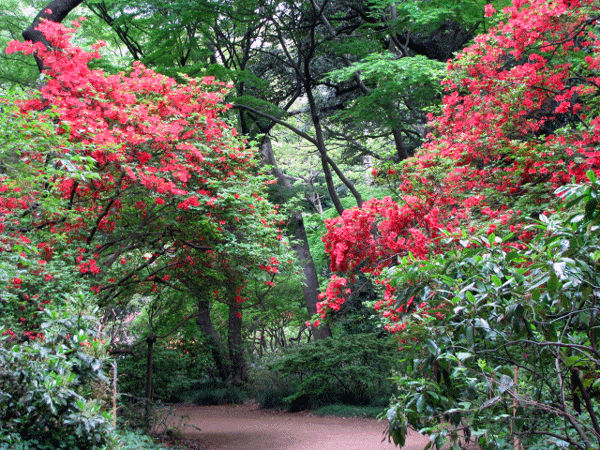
x=246 y=427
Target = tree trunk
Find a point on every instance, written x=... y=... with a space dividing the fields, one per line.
x=266 y=150
x=148 y=401
x=311 y=281
x=310 y=288
x=399 y=141
x=114 y=392
x=206 y=326
x=238 y=373
x=335 y=199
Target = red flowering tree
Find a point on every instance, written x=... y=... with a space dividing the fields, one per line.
x=490 y=307
x=138 y=187
x=519 y=120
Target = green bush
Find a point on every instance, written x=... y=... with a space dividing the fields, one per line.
x=175 y=372
x=268 y=388
x=46 y=398
x=214 y=394
x=509 y=348
x=371 y=412
x=353 y=370
x=275 y=398
x=134 y=440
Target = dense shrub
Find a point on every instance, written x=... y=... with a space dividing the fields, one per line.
x=210 y=393
x=371 y=412
x=135 y=440
x=176 y=370
x=351 y=370
x=510 y=356
x=48 y=389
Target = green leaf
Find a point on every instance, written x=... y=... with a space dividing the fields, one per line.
x=482 y=323
x=470 y=297
x=511 y=255
x=433 y=347
x=590 y=208
x=462 y=356
x=420 y=403
x=585 y=318
x=552 y=283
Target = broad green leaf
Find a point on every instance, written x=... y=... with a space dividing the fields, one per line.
x=497 y=281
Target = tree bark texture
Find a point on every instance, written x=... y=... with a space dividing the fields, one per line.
x=206 y=326
x=238 y=373
x=149 y=363
x=311 y=281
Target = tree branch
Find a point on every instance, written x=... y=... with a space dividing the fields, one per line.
x=55 y=11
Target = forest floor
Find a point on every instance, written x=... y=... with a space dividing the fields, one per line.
x=247 y=427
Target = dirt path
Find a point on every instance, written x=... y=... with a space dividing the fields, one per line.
x=245 y=427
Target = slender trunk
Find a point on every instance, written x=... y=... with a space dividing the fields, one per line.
x=150 y=340
x=399 y=141
x=114 y=392
x=387 y=108
x=311 y=282
x=206 y=326
x=576 y=376
x=235 y=343
x=320 y=141
x=266 y=150
x=323 y=152
x=310 y=287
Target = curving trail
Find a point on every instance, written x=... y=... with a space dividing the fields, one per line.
x=246 y=427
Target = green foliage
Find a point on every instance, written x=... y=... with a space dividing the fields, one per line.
x=51 y=357
x=177 y=366
x=22 y=70
x=269 y=389
x=133 y=440
x=47 y=388
x=207 y=393
x=408 y=83
x=15 y=69
x=423 y=17
x=507 y=349
x=354 y=370
x=371 y=412
x=44 y=279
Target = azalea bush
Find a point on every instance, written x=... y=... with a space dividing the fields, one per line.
x=120 y=186
x=145 y=181
x=495 y=316
x=52 y=385
x=35 y=272
x=519 y=120
x=132 y=183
